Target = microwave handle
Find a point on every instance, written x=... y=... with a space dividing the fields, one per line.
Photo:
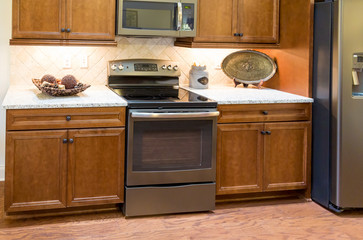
x=180 y=16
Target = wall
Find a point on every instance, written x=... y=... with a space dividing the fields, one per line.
x=5 y=33
x=29 y=62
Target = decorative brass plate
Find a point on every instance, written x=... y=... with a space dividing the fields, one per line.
x=248 y=66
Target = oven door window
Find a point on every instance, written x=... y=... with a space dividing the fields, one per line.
x=149 y=15
x=172 y=145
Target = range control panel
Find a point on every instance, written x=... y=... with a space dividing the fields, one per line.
x=143 y=67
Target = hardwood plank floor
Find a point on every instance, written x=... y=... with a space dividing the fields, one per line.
x=290 y=218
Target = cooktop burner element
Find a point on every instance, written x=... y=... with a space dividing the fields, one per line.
x=154 y=85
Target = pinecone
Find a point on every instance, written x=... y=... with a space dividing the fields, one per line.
x=69 y=81
x=49 y=78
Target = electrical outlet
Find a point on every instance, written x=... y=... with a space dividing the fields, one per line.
x=84 y=61
x=67 y=62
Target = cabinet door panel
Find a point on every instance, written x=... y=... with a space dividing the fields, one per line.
x=239 y=158
x=216 y=21
x=91 y=19
x=35 y=170
x=286 y=155
x=96 y=166
x=258 y=20
x=38 y=19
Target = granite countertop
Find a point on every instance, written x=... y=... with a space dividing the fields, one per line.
x=250 y=95
x=20 y=97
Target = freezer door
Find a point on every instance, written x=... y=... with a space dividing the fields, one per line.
x=321 y=107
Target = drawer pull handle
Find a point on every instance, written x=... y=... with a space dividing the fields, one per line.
x=268 y=132
x=68 y=118
x=263 y=132
x=265 y=112
x=65 y=140
x=71 y=140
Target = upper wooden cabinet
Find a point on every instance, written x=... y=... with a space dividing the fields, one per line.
x=63 y=20
x=258 y=21
x=38 y=19
x=91 y=19
x=231 y=23
x=216 y=21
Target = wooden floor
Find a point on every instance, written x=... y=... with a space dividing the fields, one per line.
x=267 y=219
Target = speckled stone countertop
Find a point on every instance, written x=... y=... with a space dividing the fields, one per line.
x=19 y=97
x=251 y=95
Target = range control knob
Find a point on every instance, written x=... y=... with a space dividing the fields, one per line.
x=176 y=68
x=169 y=67
x=163 y=67
x=113 y=67
x=121 y=67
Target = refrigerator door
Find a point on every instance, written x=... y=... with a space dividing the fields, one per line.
x=347 y=174
x=321 y=107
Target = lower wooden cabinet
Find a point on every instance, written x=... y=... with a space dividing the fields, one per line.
x=64 y=167
x=38 y=163
x=95 y=166
x=239 y=158
x=286 y=155
x=262 y=156
x=36 y=170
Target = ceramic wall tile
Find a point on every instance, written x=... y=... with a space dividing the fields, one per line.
x=29 y=62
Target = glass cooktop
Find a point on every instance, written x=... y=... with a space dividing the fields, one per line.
x=163 y=98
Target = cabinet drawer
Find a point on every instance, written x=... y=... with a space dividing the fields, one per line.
x=264 y=112
x=26 y=119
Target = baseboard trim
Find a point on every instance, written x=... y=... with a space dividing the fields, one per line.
x=2 y=173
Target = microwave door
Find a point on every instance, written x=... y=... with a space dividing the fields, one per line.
x=188 y=18
x=148 y=18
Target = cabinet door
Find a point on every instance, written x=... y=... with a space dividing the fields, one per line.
x=38 y=19
x=91 y=19
x=286 y=155
x=95 y=166
x=258 y=21
x=216 y=21
x=239 y=158
x=35 y=174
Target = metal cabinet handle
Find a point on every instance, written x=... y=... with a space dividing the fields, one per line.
x=68 y=118
x=68 y=30
x=268 y=132
x=263 y=132
x=265 y=112
x=240 y=34
x=236 y=34
x=63 y=29
x=65 y=140
x=71 y=140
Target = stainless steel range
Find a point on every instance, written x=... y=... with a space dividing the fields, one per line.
x=171 y=140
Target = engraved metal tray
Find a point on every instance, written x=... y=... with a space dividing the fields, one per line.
x=249 y=66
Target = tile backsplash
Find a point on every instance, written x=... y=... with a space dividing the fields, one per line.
x=29 y=62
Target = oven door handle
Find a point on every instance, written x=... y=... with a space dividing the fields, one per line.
x=174 y=115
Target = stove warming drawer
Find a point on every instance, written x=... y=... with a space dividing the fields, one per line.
x=169 y=199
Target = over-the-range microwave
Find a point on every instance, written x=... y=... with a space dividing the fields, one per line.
x=172 y=18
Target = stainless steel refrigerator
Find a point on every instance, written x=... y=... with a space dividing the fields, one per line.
x=337 y=161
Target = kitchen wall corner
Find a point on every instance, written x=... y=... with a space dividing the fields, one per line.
x=5 y=34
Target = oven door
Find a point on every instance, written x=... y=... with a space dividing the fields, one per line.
x=167 y=147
